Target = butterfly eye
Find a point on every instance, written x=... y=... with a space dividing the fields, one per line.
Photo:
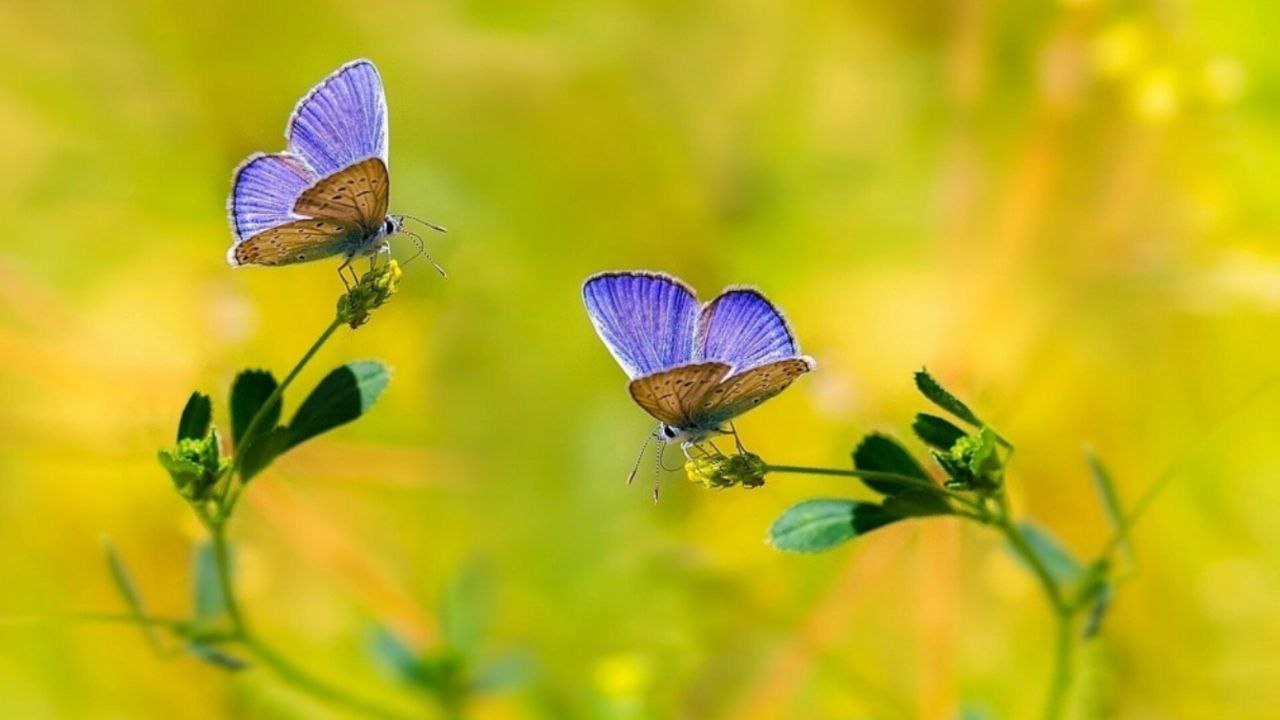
x=389 y=226
x=668 y=431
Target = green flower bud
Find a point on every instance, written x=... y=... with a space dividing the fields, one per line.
x=722 y=471
x=975 y=460
x=195 y=465
x=373 y=290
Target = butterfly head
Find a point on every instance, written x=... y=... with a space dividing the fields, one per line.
x=392 y=225
x=684 y=436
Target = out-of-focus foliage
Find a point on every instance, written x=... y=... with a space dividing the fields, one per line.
x=1065 y=209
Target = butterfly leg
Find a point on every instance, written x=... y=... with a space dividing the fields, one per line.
x=742 y=450
x=342 y=275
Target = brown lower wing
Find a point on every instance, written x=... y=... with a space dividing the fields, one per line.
x=673 y=395
x=748 y=389
x=356 y=195
x=294 y=242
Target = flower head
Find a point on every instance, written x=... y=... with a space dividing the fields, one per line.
x=722 y=471
x=195 y=464
x=373 y=290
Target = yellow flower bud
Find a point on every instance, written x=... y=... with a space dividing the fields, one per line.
x=373 y=290
x=722 y=471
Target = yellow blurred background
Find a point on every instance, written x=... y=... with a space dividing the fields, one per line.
x=1065 y=208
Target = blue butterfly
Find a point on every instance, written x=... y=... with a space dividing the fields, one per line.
x=693 y=369
x=328 y=193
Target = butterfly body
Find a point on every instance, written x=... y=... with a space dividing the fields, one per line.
x=693 y=368
x=327 y=194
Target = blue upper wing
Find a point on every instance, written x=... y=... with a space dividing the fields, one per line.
x=645 y=319
x=743 y=330
x=342 y=120
x=264 y=191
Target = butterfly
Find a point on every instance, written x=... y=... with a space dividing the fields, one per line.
x=327 y=194
x=692 y=368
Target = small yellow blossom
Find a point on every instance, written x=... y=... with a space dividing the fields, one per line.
x=721 y=471
x=373 y=290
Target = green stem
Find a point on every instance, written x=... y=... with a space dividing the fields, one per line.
x=1060 y=681
x=304 y=681
x=216 y=523
x=234 y=489
x=908 y=480
x=282 y=667
x=222 y=562
x=1064 y=612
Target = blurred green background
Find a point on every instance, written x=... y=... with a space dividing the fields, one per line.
x=1066 y=209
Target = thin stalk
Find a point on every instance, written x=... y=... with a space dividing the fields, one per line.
x=1063 y=611
x=1060 y=681
x=216 y=523
x=304 y=681
x=282 y=667
x=234 y=489
x=222 y=562
x=96 y=618
x=899 y=478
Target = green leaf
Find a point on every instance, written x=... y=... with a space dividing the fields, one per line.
x=1110 y=501
x=248 y=395
x=503 y=674
x=342 y=396
x=938 y=395
x=206 y=589
x=123 y=580
x=1062 y=567
x=916 y=503
x=1099 y=603
x=390 y=653
x=822 y=523
x=261 y=450
x=464 y=608
x=216 y=657
x=938 y=433
x=196 y=416
x=881 y=453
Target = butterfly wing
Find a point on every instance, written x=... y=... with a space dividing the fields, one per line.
x=263 y=192
x=645 y=319
x=294 y=242
x=354 y=196
x=342 y=121
x=672 y=396
x=746 y=390
x=742 y=328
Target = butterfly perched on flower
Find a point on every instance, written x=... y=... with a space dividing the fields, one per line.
x=327 y=194
x=693 y=368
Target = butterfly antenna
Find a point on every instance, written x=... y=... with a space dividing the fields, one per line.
x=636 y=468
x=438 y=228
x=422 y=250
x=657 y=471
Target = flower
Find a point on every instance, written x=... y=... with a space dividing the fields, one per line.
x=722 y=471
x=372 y=291
x=195 y=464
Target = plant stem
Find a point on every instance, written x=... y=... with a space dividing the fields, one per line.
x=1060 y=681
x=222 y=562
x=908 y=480
x=216 y=523
x=282 y=667
x=234 y=489
x=1064 y=612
